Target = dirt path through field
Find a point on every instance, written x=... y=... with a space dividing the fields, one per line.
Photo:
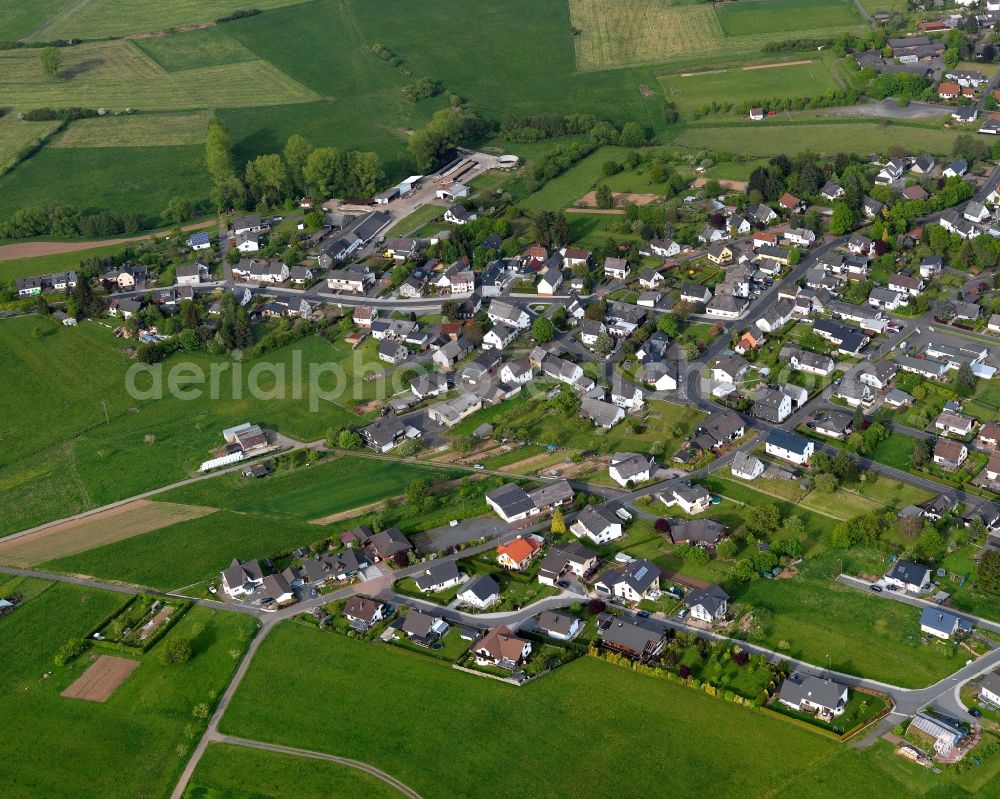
x=34 y=249
x=777 y=65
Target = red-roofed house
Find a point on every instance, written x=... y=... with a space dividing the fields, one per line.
x=518 y=553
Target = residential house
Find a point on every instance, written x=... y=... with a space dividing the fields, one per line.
x=989 y=689
x=746 y=466
x=695 y=293
x=664 y=248
x=499 y=336
x=242 y=578
x=384 y=433
x=549 y=281
x=625 y=395
x=950 y=454
x=953 y=423
x=942 y=624
x=776 y=317
x=692 y=499
x=650 y=279
x=800 y=237
x=791 y=203
x=810 y=694
x=392 y=352
x=459 y=215
x=364 y=612
x=598 y=524
x=705 y=533
x=504 y=313
x=501 y=648
x=789 y=447
x=909 y=576
x=772 y=405
x=603 y=414
x=616 y=268
x=559 y=625
x=630 y=468
x=517 y=554
x=708 y=604
x=721 y=427
x=438 y=577
x=570 y=557
x=480 y=592
x=730 y=369
x=629 y=638
x=633 y=582
x=423 y=628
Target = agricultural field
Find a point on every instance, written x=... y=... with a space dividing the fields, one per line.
x=44 y=264
x=206 y=47
x=104 y=527
x=97 y=19
x=191 y=552
x=77 y=460
x=309 y=493
x=86 y=744
x=780 y=136
x=628 y=33
x=138 y=130
x=16 y=134
x=229 y=772
x=596 y=707
x=798 y=78
x=18 y=19
x=117 y=74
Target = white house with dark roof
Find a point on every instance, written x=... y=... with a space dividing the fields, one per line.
x=813 y=694
x=630 y=467
x=707 y=604
x=633 y=582
x=598 y=524
x=909 y=576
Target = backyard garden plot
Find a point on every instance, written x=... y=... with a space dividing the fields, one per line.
x=95 y=19
x=102 y=679
x=136 y=130
x=104 y=527
x=118 y=74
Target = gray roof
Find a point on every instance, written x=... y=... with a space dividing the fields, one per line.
x=558 y=623
x=639 y=575
x=711 y=598
x=799 y=687
x=437 y=573
x=483 y=587
x=629 y=635
x=596 y=518
x=512 y=499
x=908 y=572
x=940 y=620
x=787 y=441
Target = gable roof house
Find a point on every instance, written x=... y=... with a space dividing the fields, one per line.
x=789 y=447
x=950 y=454
x=616 y=268
x=363 y=611
x=707 y=604
x=570 y=557
x=598 y=524
x=504 y=313
x=633 y=582
x=603 y=414
x=629 y=467
x=438 y=576
x=692 y=499
x=746 y=466
x=813 y=695
x=242 y=578
x=423 y=628
x=772 y=405
x=629 y=638
x=480 y=592
x=501 y=648
x=942 y=624
x=517 y=554
x=705 y=533
x=909 y=575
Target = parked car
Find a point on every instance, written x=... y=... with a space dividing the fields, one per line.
x=876 y=588
x=893 y=587
x=562 y=584
x=975 y=712
x=478 y=466
x=643 y=614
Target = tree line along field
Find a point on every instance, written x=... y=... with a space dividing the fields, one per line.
x=230 y=772
x=135 y=743
x=76 y=460
x=614 y=716
x=628 y=32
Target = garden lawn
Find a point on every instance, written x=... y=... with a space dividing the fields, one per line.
x=74 y=747
x=310 y=492
x=565 y=190
x=422 y=216
x=187 y=553
x=229 y=772
x=587 y=705
x=894 y=451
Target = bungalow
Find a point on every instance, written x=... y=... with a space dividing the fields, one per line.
x=616 y=268
x=199 y=241
x=708 y=604
x=627 y=637
x=809 y=694
x=633 y=582
x=629 y=468
x=789 y=447
x=480 y=592
x=502 y=649
x=438 y=577
x=950 y=454
x=704 y=533
x=954 y=423
x=710 y=235
x=649 y=299
x=450 y=412
x=942 y=624
x=558 y=625
x=602 y=414
x=745 y=466
x=949 y=91
x=927 y=367
x=598 y=524
x=772 y=258
x=909 y=576
x=725 y=306
x=834 y=424
x=517 y=554
x=791 y=203
x=511 y=503
x=423 y=628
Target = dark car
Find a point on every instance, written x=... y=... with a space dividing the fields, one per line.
x=562 y=584
x=975 y=712
x=893 y=587
x=643 y=614
x=876 y=588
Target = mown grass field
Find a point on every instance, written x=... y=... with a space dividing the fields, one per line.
x=190 y=552
x=43 y=264
x=68 y=746
x=77 y=460
x=95 y=19
x=772 y=16
x=692 y=91
x=19 y=19
x=312 y=492
x=229 y=772
x=206 y=47
x=16 y=134
x=780 y=136
x=117 y=74
x=139 y=130
x=613 y=35
x=587 y=706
